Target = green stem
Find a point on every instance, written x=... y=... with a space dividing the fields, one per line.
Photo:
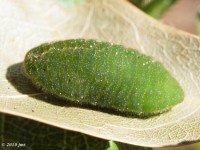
x=198 y=22
x=122 y=146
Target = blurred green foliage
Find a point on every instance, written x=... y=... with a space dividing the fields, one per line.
x=198 y=23
x=196 y=146
x=154 y=8
x=122 y=146
x=70 y=3
x=33 y=135
x=112 y=146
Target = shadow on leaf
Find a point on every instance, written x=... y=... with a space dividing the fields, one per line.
x=17 y=77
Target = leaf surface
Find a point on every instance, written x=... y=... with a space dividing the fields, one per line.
x=26 y=24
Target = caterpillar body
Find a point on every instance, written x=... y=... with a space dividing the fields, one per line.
x=103 y=74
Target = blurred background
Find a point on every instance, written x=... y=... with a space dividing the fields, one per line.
x=180 y=14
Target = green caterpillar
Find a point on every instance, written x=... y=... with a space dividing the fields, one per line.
x=103 y=74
